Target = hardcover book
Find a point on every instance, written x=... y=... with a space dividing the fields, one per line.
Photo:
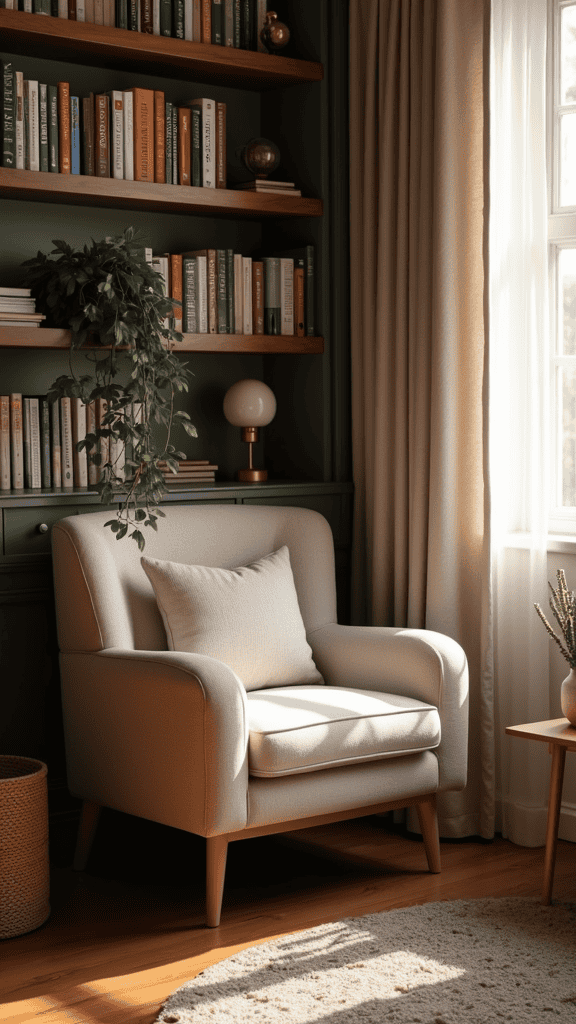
x=16 y=441
x=299 y=304
x=33 y=134
x=197 y=20
x=146 y=17
x=272 y=309
x=143 y=100
x=159 y=136
x=128 y=111
x=306 y=253
x=102 y=135
x=184 y=151
x=222 y=295
x=247 y=295
x=75 y=141
x=238 y=294
x=19 y=126
x=5 y=474
x=66 y=443
x=196 y=146
x=202 y=294
x=211 y=287
x=64 y=142
x=8 y=123
x=53 y=154
x=168 y=120
x=257 y=297
x=189 y=289
x=31 y=438
x=176 y=287
x=207 y=108
x=286 y=295
x=228 y=33
x=88 y=157
x=117 y=133
x=165 y=17
x=79 y=459
x=56 y=445
x=220 y=145
x=45 y=447
x=217 y=20
x=206 y=21
x=43 y=125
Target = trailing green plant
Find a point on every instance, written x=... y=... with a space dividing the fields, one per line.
x=113 y=302
x=563 y=605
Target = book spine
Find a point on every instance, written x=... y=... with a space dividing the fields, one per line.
x=89 y=11
x=206 y=21
x=53 y=162
x=109 y=13
x=168 y=119
x=175 y=179
x=176 y=287
x=43 y=125
x=45 y=443
x=146 y=17
x=143 y=134
x=8 y=114
x=184 y=152
x=222 y=301
x=246 y=25
x=197 y=20
x=128 y=112
x=67 y=444
x=121 y=13
x=5 y=474
x=287 y=295
x=56 y=446
x=80 y=10
x=261 y=7
x=88 y=135
x=62 y=8
x=98 y=12
x=93 y=469
x=246 y=295
x=19 y=127
x=133 y=14
x=208 y=113
x=159 y=136
x=237 y=22
x=16 y=441
x=238 y=294
x=309 y=290
x=33 y=141
x=202 y=295
x=102 y=136
x=216 y=13
x=228 y=32
x=189 y=287
x=299 y=305
x=64 y=143
x=75 y=142
x=35 y=480
x=72 y=10
x=103 y=442
x=220 y=145
x=156 y=17
x=26 y=438
x=188 y=15
x=196 y=146
x=165 y=17
x=117 y=133
x=257 y=297
x=230 y=292
x=79 y=460
x=177 y=19
x=272 y=317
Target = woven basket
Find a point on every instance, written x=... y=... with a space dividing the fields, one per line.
x=24 y=864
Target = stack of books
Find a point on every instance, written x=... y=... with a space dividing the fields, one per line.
x=190 y=471
x=264 y=186
x=18 y=308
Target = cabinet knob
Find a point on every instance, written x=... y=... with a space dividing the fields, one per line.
x=43 y=528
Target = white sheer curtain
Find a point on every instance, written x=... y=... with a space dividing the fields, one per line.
x=519 y=422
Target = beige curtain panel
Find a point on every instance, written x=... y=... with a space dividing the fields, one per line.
x=418 y=217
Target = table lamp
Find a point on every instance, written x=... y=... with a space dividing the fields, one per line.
x=250 y=404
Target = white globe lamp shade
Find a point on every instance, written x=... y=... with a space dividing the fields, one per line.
x=249 y=403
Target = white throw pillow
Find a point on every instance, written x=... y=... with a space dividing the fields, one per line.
x=248 y=617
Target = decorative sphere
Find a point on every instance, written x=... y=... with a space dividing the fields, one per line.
x=249 y=403
x=275 y=34
x=261 y=156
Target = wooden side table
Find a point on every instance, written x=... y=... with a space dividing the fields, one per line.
x=560 y=737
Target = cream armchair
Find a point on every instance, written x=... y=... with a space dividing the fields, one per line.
x=180 y=738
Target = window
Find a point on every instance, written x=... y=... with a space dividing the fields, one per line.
x=562 y=239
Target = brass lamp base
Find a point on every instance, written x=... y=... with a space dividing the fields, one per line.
x=252 y=476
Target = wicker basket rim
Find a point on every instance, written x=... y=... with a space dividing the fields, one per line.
x=25 y=766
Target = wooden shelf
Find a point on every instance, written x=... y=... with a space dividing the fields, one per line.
x=84 y=190
x=53 y=338
x=34 y=35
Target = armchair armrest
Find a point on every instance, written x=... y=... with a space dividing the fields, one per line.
x=159 y=734
x=418 y=663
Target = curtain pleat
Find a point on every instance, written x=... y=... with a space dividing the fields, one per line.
x=417 y=215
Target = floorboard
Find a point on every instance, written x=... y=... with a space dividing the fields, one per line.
x=128 y=930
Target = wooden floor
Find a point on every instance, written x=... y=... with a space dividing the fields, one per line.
x=125 y=933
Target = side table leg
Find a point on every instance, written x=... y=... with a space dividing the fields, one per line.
x=554 y=801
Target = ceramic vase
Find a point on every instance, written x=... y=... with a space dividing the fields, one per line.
x=568 y=697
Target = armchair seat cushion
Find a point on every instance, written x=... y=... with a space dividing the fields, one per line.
x=308 y=728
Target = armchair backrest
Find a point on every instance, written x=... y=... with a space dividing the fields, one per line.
x=104 y=598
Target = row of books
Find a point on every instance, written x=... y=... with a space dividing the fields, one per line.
x=133 y=134
x=223 y=292
x=38 y=443
x=18 y=308
x=236 y=23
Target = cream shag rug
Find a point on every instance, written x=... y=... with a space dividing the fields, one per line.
x=460 y=962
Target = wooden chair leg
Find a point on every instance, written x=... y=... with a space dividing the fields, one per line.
x=216 y=852
x=428 y=819
x=86 y=832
